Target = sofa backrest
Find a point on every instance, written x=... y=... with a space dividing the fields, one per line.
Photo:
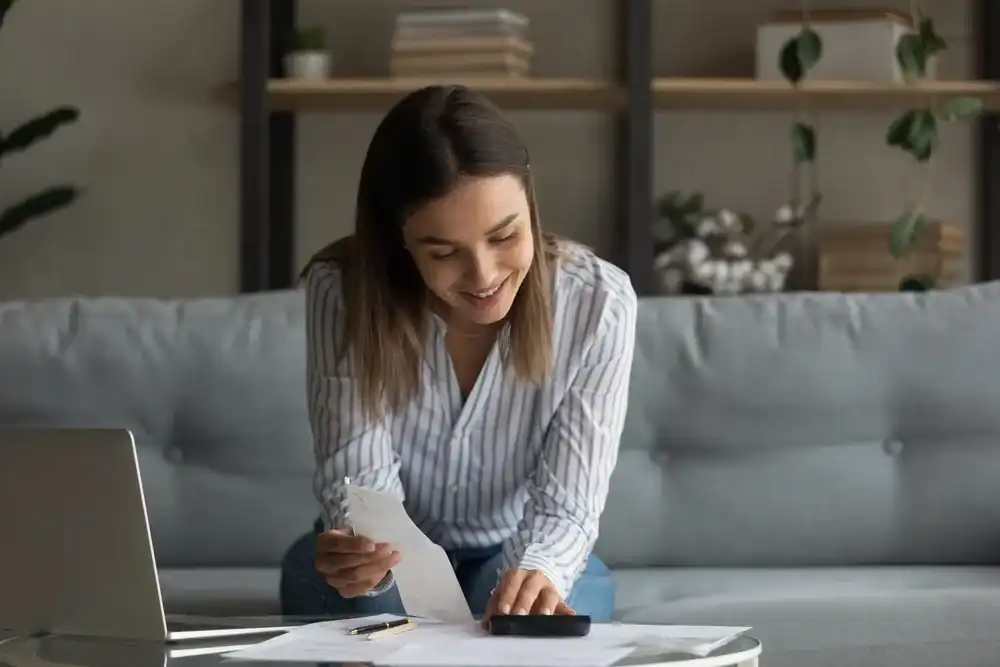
x=811 y=429
x=214 y=392
x=762 y=431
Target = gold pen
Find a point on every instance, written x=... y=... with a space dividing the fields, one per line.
x=389 y=632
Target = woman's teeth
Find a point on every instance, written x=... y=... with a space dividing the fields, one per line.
x=487 y=293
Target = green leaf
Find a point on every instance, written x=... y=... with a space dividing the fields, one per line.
x=915 y=132
x=789 y=63
x=932 y=41
x=899 y=130
x=809 y=46
x=916 y=283
x=694 y=204
x=38 y=205
x=961 y=108
x=911 y=55
x=37 y=129
x=905 y=232
x=5 y=6
x=804 y=142
x=923 y=135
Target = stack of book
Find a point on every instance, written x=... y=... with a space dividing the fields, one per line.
x=460 y=43
x=856 y=257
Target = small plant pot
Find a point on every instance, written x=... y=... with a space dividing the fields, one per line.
x=308 y=65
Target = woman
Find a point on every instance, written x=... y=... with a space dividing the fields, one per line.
x=468 y=364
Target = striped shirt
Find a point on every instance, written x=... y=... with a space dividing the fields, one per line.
x=517 y=466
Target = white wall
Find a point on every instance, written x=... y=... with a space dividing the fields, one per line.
x=158 y=156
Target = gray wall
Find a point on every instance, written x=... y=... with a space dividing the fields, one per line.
x=158 y=157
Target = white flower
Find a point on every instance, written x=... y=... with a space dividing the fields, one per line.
x=729 y=220
x=740 y=269
x=735 y=249
x=671 y=280
x=784 y=215
x=758 y=280
x=776 y=282
x=704 y=271
x=663 y=260
x=767 y=267
x=697 y=252
x=783 y=261
x=707 y=227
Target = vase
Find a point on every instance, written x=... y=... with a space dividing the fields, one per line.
x=308 y=65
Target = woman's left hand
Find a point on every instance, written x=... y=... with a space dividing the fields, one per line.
x=525 y=592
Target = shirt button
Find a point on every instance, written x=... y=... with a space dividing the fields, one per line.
x=455 y=488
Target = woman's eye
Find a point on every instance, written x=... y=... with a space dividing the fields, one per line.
x=445 y=255
x=509 y=237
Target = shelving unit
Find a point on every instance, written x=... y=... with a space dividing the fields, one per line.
x=669 y=94
x=268 y=106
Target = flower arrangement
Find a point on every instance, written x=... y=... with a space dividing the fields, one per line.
x=715 y=251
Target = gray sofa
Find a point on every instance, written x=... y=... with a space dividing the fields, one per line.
x=823 y=467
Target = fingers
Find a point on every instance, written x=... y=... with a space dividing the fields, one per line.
x=562 y=609
x=547 y=602
x=340 y=542
x=507 y=591
x=531 y=588
x=355 y=581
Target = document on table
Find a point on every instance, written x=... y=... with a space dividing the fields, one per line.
x=430 y=643
x=699 y=640
x=326 y=641
x=468 y=645
x=424 y=576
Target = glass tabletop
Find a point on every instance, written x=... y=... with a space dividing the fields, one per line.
x=67 y=651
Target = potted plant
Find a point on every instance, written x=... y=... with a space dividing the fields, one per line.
x=308 y=58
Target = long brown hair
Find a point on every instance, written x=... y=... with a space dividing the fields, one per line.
x=424 y=145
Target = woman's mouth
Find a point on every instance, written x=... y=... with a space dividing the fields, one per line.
x=487 y=297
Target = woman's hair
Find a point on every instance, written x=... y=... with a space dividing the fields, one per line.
x=425 y=144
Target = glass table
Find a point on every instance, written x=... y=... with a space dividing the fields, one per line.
x=66 y=651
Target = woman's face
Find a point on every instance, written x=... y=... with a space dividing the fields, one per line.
x=474 y=246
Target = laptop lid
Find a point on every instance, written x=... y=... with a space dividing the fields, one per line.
x=77 y=555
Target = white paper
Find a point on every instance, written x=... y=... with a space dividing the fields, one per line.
x=427 y=584
x=699 y=640
x=491 y=651
x=468 y=645
x=326 y=641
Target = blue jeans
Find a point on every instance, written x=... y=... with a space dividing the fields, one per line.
x=305 y=593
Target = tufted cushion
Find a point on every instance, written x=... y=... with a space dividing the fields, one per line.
x=214 y=391
x=811 y=429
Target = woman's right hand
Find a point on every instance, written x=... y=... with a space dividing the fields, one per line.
x=351 y=564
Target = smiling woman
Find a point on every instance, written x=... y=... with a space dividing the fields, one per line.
x=466 y=362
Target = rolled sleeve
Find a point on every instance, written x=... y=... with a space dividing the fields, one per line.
x=569 y=489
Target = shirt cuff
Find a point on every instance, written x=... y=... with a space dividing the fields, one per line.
x=381 y=587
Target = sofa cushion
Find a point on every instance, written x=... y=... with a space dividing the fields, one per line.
x=220 y=591
x=830 y=616
x=811 y=429
x=214 y=391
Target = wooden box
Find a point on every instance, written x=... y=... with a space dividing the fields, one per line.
x=855 y=257
x=859 y=44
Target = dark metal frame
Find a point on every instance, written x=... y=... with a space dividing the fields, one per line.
x=267 y=149
x=987 y=233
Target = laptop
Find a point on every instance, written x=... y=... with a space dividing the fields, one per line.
x=77 y=555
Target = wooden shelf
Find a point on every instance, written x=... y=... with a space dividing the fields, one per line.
x=751 y=95
x=669 y=94
x=380 y=94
